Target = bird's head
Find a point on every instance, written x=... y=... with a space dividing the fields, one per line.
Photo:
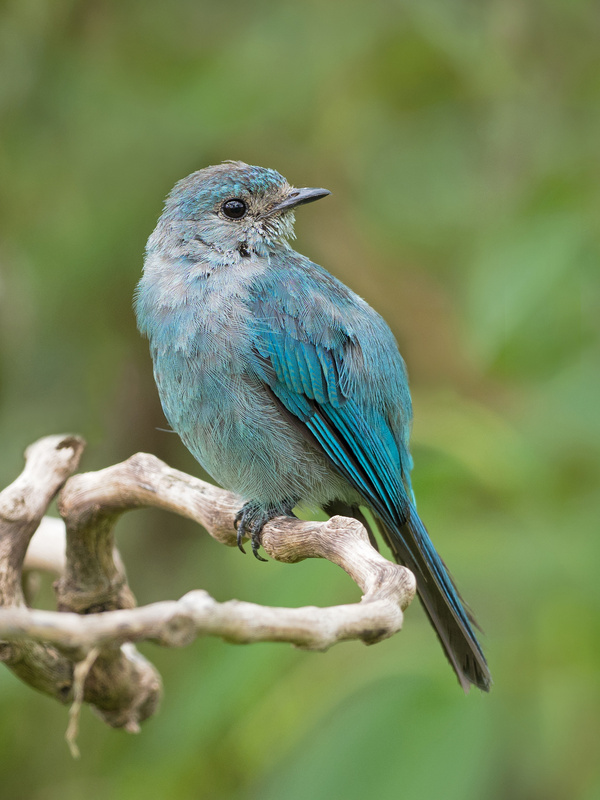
x=235 y=207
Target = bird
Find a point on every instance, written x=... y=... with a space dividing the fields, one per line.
x=285 y=385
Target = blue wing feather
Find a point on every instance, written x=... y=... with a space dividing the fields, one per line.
x=308 y=363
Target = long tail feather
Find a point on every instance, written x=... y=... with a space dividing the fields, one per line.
x=445 y=608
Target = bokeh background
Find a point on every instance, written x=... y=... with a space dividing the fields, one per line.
x=461 y=144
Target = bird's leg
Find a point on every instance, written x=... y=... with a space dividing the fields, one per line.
x=251 y=519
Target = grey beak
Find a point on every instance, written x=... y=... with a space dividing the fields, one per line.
x=298 y=197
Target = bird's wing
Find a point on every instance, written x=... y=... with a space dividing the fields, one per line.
x=311 y=381
x=306 y=369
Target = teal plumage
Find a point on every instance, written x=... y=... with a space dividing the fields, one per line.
x=284 y=384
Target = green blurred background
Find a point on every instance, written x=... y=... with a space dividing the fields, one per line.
x=461 y=144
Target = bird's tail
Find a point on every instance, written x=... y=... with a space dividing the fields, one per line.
x=449 y=614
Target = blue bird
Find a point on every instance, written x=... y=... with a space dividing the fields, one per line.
x=285 y=385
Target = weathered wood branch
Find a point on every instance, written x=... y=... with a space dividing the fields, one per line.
x=97 y=613
x=48 y=463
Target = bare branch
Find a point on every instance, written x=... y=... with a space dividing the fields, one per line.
x=116 y=679
x=123 y=686
x=177 y=623
x=48 y=463
x=91 y=503
x=46 y=551
x=80 y=673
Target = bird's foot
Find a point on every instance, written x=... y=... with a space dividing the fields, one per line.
x=251 y=519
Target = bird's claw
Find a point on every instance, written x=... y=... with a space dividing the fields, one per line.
x=239 y=527
x=251 y=519
x=255 y=541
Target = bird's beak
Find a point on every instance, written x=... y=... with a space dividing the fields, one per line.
x=297 y=197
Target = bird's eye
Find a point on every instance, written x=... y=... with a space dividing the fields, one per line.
x=234 y=209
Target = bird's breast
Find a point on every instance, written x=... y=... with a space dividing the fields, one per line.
x=198 y=309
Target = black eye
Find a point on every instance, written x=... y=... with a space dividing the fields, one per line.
x=234 y=209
